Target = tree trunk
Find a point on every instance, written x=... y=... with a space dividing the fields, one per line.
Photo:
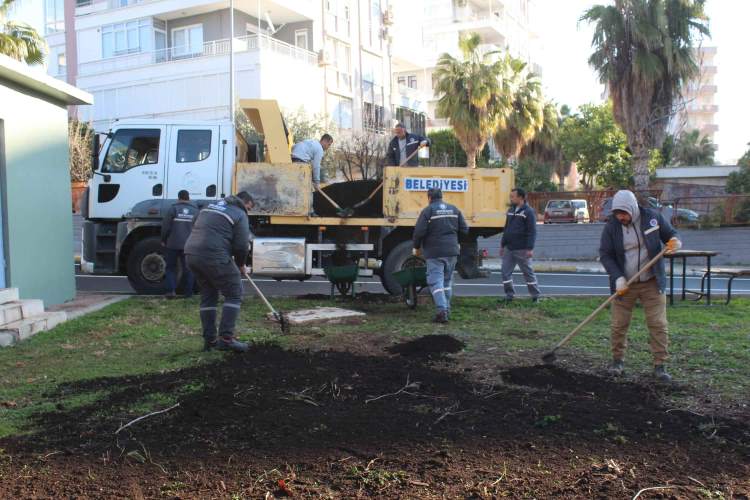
x=641 y=157
x=471 y=158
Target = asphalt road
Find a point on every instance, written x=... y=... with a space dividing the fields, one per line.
x=550 y=283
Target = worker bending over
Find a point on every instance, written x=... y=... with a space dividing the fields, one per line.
x=216 y=252
x=632 y=237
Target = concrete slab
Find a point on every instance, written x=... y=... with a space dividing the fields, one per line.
x=8 y=295
x=86 y=303
x=320 y=315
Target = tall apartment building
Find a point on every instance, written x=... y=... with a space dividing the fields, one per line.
x=425 y=29
x=170 y=58
x=699 y=112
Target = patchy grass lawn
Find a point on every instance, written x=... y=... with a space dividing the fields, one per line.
x=710 y=347
x=332 y=412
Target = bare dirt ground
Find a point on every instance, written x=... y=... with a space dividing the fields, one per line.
x=405 y=421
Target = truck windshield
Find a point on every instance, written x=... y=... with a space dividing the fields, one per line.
x=132 y=148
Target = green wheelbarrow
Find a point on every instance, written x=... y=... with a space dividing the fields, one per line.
x=342 y=278
x=413 y=279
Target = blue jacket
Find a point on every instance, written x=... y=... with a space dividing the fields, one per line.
x=520 y=229
x=656 y=230
x=177 y=224
x=437 y=230
x=221 y=231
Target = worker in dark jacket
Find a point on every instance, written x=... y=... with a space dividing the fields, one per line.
x=402 y=148
x=517 y=245
x=216 y=252
x=436 y=234
x=175 y=229
x=631 y=238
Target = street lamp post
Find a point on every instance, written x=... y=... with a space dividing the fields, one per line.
x=231 y=60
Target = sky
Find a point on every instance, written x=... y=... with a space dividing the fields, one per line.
x=568 y=79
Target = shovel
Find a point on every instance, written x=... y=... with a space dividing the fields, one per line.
x=341 y=212
x=551 y=356
x=279 y=316
x=379 y=186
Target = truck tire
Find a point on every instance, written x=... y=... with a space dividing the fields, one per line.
x=393 y=262
x=146 y=266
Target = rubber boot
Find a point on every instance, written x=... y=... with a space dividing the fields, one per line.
x=208 y=321
x=227 y=343
x=441 y=317
x=660 y=372
x=617 y=367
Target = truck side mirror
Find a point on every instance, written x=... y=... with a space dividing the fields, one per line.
x=95 y=153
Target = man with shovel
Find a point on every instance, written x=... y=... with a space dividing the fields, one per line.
x=216 y=252
x=632 y=237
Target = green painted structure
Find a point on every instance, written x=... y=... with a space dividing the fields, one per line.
x=36 y=219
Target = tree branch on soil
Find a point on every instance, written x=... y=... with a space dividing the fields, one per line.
x=146 y=416
x=403 y=390
x=652 y=488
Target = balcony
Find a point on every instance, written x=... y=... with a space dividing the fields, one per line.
x=492 y=27
x=209 y=49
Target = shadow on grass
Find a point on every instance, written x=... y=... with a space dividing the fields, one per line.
x=277 y=401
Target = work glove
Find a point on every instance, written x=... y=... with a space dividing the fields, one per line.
x=416 y=252
x=423 y=144
x=316 y=186
x=621 y=286
x=673 y=245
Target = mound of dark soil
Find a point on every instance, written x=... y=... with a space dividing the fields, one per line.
x=428 y=347
x=348 y=194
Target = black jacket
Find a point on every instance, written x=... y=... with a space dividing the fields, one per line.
x=177 y=224
x=437 y=230
x=520 y=229
x=657 y=231
x=220 y=232
x=412 y=144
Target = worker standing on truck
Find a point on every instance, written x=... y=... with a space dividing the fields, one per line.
x=216 y=253
x=436 y=234
x=632 y=237
x=175 y=229
x=403 y=146
x=517 y=245
x=312 y=152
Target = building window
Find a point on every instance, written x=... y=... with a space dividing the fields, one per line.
x=126 y=38
x=187 y=40
x=300 y=39
x=412 y=82
x=132 y=148
x=340 y=111
x=61 y=63
x=402 y=81
x=193 y=145
x=54 y=16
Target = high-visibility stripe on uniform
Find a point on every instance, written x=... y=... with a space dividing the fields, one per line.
x=220 y=213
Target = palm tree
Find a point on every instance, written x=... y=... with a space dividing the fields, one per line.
x=644 y=51
x=19 y=40
x=526 y=118
x=545 y=148
x=471 y=96
x=692 y=150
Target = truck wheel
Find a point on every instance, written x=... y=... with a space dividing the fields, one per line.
x=146 y=266
x=393 y=263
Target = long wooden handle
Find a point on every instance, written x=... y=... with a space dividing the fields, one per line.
x=410 y=156
x=260 y=294
x=335 y=205
x=374 y=191
x=612 y=297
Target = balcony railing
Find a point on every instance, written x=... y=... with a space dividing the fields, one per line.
x=168 y=55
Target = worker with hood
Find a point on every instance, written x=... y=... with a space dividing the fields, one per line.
x=632 y=237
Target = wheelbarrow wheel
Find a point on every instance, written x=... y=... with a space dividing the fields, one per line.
x=410 y=296
x=344 y=287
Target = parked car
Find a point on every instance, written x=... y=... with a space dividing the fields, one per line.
x=566 y=211
x=676 y=215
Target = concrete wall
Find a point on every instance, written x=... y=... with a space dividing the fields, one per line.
x=581 y=242
x=36 y=196
x=215 y=24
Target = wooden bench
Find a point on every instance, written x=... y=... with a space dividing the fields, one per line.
x=727 y=272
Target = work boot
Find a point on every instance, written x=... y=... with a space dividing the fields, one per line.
x=231 y=344
x=536 y=300
x=441 y=317
x=505 y=302
x=617 y=367
x=660 y=372
x=170 y=295
x=209 y=344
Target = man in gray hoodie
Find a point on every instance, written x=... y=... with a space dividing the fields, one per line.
x=632 y=237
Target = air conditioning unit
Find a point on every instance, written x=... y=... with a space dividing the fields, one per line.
x=324 y=57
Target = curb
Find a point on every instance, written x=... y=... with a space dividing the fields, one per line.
x=95 y=307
